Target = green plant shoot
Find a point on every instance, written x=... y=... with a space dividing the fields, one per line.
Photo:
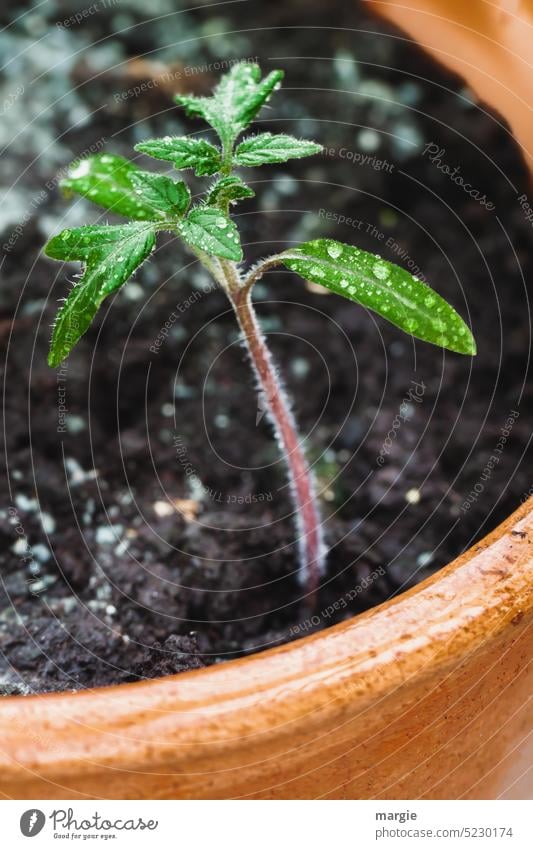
x=153 y=202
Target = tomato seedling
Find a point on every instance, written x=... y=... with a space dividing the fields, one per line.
x=155 y=202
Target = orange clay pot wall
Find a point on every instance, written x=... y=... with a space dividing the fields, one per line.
x=425 y=696
x=486 y=43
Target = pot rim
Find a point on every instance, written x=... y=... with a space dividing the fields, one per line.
x=324 y=678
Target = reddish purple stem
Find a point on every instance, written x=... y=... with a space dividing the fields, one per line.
x=309 y=528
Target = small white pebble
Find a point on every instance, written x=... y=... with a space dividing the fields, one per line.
x=222 y=421
x=69 y=604
x=108 y=534
x=163 y=508
x=300 y=367
x=184 y=392
x=407 y=410
x=286 y=185
x=20 y=546
x=41 y=552
x=26 y=504
x=75 y=424
x=48 y=523
x=122 y=547
x=76 y=474
x=424 y=558
x=369 y=140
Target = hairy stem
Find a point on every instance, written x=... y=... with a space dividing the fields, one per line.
x=273 y=402
x=257 y=271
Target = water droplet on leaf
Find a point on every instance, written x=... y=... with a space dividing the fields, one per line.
x=380 y=270
x=334 y=250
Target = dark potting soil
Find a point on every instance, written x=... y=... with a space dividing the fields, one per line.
x=146 y=524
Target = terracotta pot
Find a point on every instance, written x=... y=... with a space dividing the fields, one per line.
x=486 y=43
x=424 y=696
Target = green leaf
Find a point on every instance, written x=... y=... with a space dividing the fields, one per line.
x=170 y=197
x=384 y=288
x=120 y=186
x=229 y=190
x=184 y=152
x=111 y=255
x=211 y=231
x=106 y=180
x=236 y=100
x=273 y=147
